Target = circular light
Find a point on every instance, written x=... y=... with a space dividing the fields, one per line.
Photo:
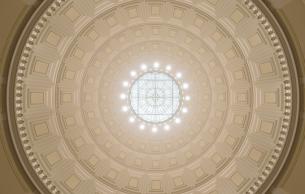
x=144 y=67
x=168 y=67
x=124 y=108
x=184 y=110
x=185 y=86
x=166 y=127
x=132 y=120
x=178 y=120
x=142 y=127
x=156 y=65
x=187 y=98
x=125 y=83
x=133 y=73
x=123 y=96
x=178 y=75
x=154 y=129
x=155 y=97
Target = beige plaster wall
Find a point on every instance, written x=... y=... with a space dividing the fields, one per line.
x=13 y=15
x=292 y=17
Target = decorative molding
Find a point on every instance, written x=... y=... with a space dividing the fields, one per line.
x=67 y=116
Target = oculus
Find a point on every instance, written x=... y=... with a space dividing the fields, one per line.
x=155 y=97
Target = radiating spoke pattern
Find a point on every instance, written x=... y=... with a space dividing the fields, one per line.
x=155 y=97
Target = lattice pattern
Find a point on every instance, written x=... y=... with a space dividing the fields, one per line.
x=155 y=97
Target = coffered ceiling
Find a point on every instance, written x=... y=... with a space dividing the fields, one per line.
x=66 y=114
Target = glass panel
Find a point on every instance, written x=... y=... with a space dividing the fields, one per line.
x=155 y=97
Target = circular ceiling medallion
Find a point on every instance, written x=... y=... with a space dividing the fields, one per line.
x=225 y=109
x=155 y=97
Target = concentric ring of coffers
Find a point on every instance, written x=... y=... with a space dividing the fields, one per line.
x=66 y=97
x=202 y=100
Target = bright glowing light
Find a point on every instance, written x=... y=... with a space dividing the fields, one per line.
x=124 y=108
x=187 y=98
x=123 y=96
x=168 y=67
x=154 y=129
x=125 y=83
x=131 y=120
x=177 y=120
x=155 y=97
x=144 y=67
x=166 y=127
x=133 y=73
x=185 y=86
x=156 y=65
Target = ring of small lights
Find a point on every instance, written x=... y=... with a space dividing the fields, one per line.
x=176 y=116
